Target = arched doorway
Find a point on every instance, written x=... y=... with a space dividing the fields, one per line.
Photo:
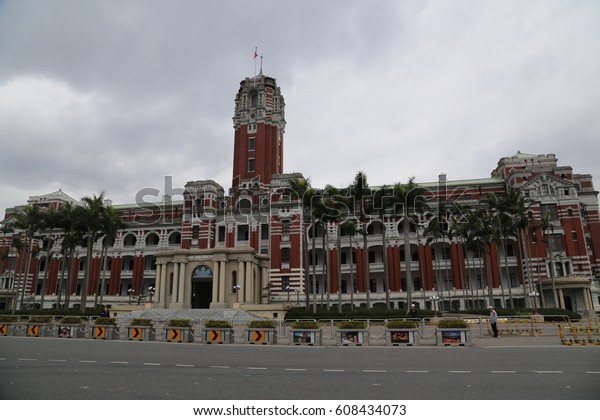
x=202 y=283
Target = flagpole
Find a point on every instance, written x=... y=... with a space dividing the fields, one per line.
x=255 y=55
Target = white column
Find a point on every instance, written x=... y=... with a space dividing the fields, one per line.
x=163 y=276
x=158 y=282
x=175 y=282
x=242 y=280
x=216 y=273
x=264 y=279
x=182 y=282
x=248 y=282
x=222 y=270
x=561 y=299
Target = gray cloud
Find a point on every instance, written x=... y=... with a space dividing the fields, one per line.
x=115 y=95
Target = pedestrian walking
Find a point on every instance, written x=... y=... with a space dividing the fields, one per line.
x=493 y=321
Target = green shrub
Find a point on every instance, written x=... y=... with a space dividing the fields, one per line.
x=141 y=322
x=105 y=321
x=9 y=318
x=352 y=325
x=40 y=319
x=217 y=323
x=305 y=325
x=183 y=323
x=401 y=323
x=262 y=323
x=71 y=320
x=452 y=323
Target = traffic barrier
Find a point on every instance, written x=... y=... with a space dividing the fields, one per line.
x=261 y=336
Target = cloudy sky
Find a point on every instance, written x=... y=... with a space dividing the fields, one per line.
x=115 y=96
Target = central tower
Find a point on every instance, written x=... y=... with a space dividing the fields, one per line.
x=259 y=124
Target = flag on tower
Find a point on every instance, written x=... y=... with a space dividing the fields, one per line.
x=255 y=52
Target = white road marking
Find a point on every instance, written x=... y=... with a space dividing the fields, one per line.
x=548 y=371
x=220 y=367
x=504 y=371
x=593 y=372
x=184 y=365
x=56 y=360
x=88 y=361
x=416 y=371
x=120 y=363
x=374 y=371
x=256 y=368
x=459 y=371
x=27 y=359
x=296 y=370
x=333 y=370
x=152 y=364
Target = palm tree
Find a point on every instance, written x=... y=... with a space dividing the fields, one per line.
x=348 y=227
x=51 y=222
x=434 y=231
x=518 y=206
x=500 y=211
x=362 y=198
x=303 y=191
x=67 y=215
x=385 y=199
x=411 y=198
x=112 y=224
x=90 y=224
x=31 y=221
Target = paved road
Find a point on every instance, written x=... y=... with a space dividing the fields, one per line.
x=51 y=368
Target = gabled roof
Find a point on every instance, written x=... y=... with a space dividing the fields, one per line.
x=59 y=196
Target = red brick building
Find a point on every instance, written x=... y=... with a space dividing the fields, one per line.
x=253 y=245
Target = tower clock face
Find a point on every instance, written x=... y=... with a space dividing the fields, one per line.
x=252 y=115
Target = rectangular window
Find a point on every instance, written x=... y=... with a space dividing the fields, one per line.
x=574 y=235
x=264 y=231
x=371 y=257
x=251 y=143
x=343 y=258
x=285 y=228
x=251 y=165
x=555 y=243
x=195 y=232
x=285 y=255
x=550 y=211
x=373 y=285
x=221 y=234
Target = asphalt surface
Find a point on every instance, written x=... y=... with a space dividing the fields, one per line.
x=509 y=367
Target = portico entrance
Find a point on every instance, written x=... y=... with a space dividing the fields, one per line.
x=202 y=286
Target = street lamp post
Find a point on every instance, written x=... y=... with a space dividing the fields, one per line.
x=288 y=292
x=237 y=288
x=434 y=302
x=130 y=293
x=151 y=291
x=534 y=295
x=297 y=296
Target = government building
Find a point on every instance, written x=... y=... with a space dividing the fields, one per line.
x=258 y=245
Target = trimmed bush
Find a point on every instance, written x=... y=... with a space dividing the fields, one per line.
x=261 y=323
x=305 y=325
x=401 y=323
x=352 y=325
x=105 y=321
x=217 y=323
x=9 y=318
x=40 y=319
x=141 y=322
x=452 y=323
x=71 y=320
x=183 y=323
